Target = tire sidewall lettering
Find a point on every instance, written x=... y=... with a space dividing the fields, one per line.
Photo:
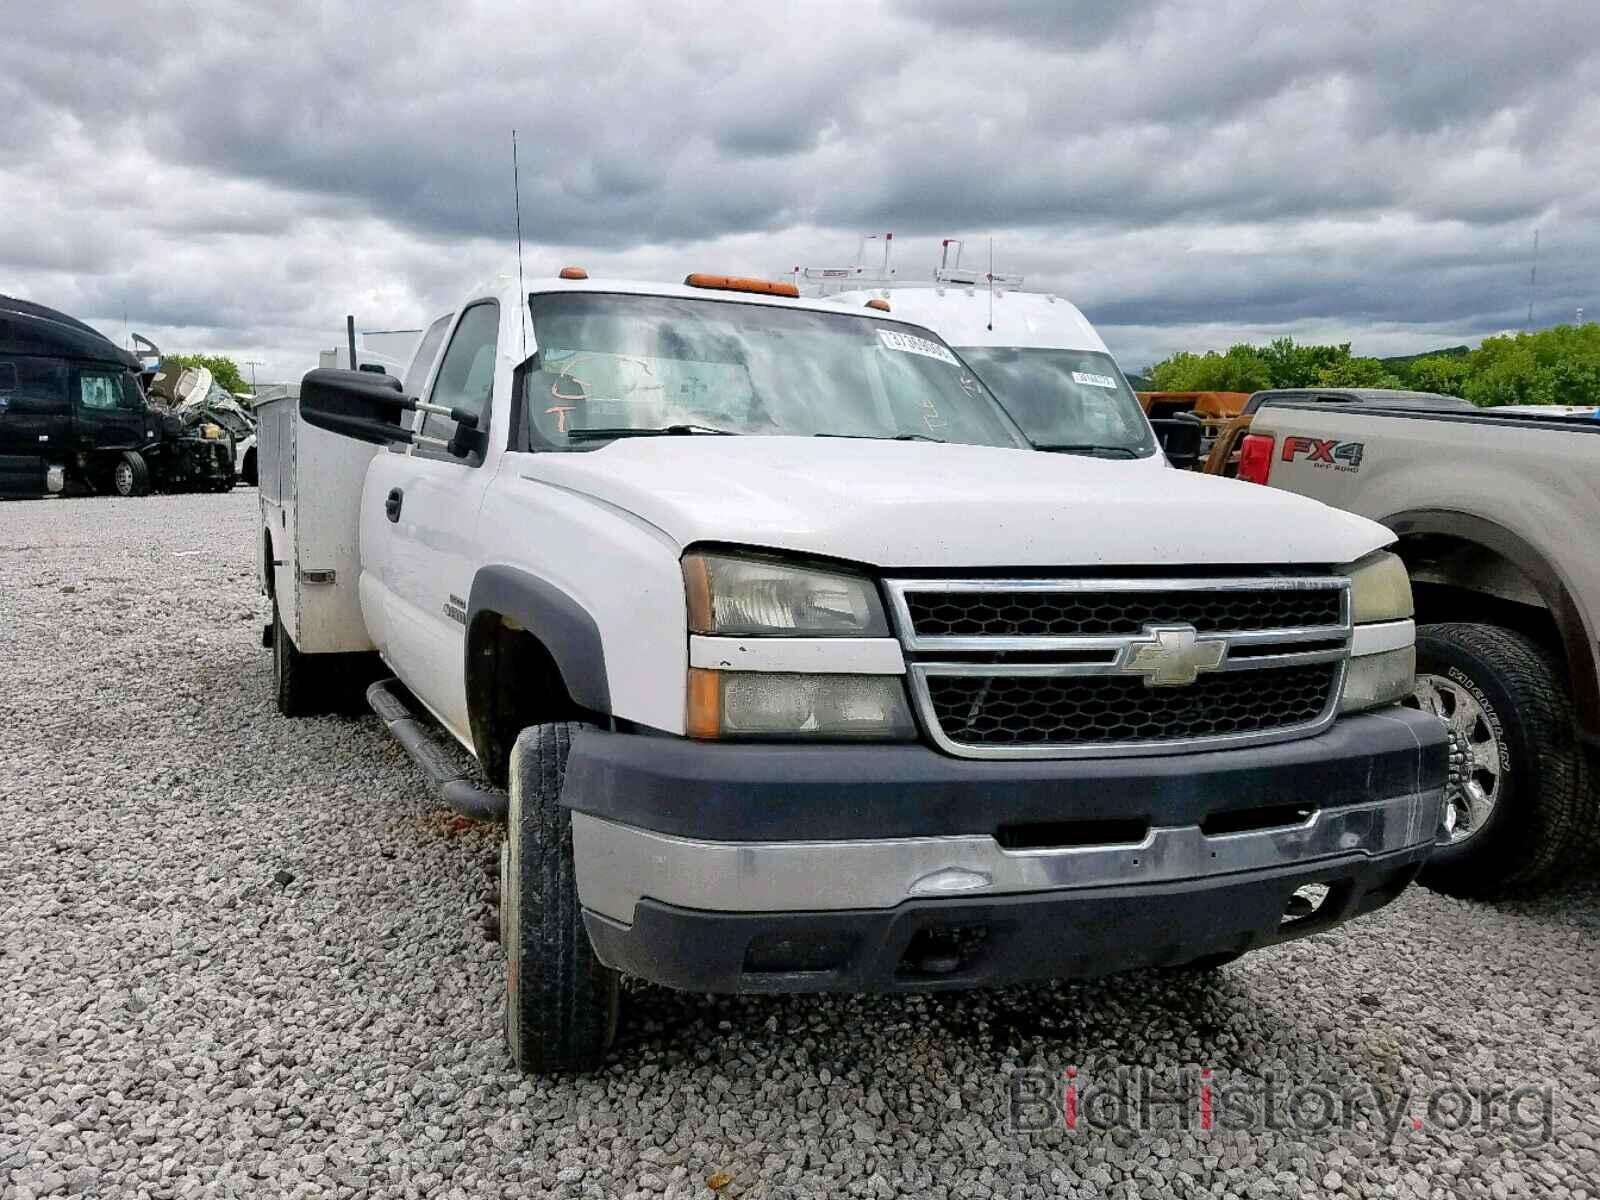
x=1490 y=713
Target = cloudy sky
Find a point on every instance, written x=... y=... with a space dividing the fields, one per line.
x=235 y=177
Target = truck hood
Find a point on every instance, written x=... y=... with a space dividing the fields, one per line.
x=919 y=504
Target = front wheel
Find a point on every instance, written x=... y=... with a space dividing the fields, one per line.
x=1519 y=803
x=561 y=1002
x=131 y=475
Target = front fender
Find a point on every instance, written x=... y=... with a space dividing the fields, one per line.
x=559 y=622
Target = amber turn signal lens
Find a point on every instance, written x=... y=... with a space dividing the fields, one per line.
x=702 y=717
x=735 y=283
x=697 y=591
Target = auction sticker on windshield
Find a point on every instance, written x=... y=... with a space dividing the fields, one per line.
x=908 y=343
x=1093 y=380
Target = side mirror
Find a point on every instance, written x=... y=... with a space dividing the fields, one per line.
x=1180 y=436
x=356 y=404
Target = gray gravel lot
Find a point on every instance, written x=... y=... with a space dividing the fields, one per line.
x=242 y=954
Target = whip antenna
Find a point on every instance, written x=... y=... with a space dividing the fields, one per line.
x=991 y=285
x=516 y=201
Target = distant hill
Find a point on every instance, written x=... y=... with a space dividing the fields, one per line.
x=1405 y=360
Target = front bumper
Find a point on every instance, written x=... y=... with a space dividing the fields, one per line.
x=1068 y=934
x=734 y=868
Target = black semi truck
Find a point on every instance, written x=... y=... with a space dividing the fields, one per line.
x=73 y=417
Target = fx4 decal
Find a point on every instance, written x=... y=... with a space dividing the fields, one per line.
x=1326 y=454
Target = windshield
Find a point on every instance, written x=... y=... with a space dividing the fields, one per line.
x=1065 y=398
x=625 y=365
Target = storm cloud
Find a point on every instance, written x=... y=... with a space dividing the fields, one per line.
x=235 y=177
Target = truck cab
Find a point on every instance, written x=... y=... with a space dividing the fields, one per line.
x=790 y=664
x=71 y=411
x=1040 y=357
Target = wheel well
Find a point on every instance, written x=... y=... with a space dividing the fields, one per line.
x=267 y=573
x=512 y=682
x=1457 y=579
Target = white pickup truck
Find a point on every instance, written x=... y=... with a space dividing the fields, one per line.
x=803 y=671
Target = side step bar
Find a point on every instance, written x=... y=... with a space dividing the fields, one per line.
x=458 y=786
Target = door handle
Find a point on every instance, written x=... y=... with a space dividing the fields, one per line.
x=391 y=506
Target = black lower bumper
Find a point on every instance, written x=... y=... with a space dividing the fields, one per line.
x=751 y=793
x=929 y=945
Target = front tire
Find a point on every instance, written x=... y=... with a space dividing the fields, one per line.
x=561 y=1003
x=1518 y=784
x=130 y=476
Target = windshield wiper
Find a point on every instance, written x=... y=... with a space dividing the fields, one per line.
x=1090 y=448
x=596 y=435
x=885 y=437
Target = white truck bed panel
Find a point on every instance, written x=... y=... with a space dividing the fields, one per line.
x=311 y=484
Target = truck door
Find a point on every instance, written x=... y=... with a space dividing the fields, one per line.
x=109 y=411
x=390 y=470
x=431 y=508
x=35 y=415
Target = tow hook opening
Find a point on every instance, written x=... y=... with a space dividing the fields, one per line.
x=941 y=950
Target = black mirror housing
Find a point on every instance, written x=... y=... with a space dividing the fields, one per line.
x=1180 y=436
x=356 y=404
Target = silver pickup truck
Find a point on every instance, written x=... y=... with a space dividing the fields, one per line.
x=1498 y=519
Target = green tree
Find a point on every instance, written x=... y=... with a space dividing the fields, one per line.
x=1241 y=369
x=1357 y=372
x=1550 y=366
x=1295 y=366
x=1438 y=373
x=223 y=369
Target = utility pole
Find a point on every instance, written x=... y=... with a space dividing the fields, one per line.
x=1533 y=282
x=253 y=363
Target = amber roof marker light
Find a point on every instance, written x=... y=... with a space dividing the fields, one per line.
x=574 y=273
x=878 y=305
x=737 y=283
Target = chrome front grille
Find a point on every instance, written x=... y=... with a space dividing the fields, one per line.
x=1046 y=668
x=1033 y=612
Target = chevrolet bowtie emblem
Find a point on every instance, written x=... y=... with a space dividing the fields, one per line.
x=1173 y=655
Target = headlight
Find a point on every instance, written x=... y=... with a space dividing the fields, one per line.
x=744 y=597
x=1373 y=680
x=754 y=704
x=1380 y=588
x=211 y=433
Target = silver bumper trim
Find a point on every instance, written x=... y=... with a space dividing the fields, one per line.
x=618 y=865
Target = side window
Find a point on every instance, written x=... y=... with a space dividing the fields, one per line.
x=132 y=398
x=99 y=392
x=39 y=388
x=8 y=378
x=427 y=350
x=465 y=378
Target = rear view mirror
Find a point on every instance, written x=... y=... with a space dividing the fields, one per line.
x=356 y=404
x=1180 y=436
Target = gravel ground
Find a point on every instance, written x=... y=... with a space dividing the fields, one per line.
x=243 y=954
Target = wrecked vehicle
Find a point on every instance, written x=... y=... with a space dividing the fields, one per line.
x=208 y=414
x=74 y=419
